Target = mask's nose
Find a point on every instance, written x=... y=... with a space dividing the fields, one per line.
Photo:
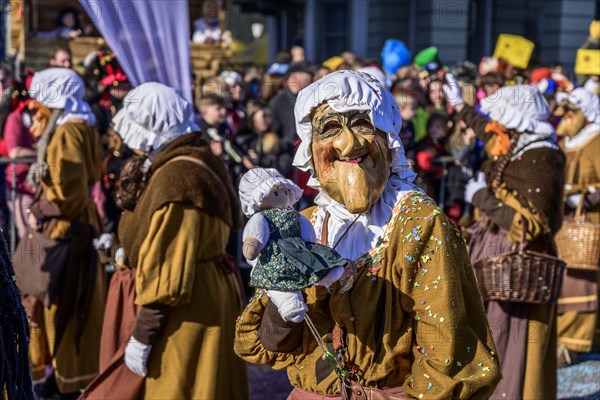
x=347 y=142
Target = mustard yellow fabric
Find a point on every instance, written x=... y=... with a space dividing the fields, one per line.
x=436 y=340
x=73 y=157
x=583 y=170
x=193 y=356
x=74 y=161
x=578 y=331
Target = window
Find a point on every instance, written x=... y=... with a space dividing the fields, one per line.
x=333 y=36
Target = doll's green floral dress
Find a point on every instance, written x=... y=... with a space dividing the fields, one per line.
x=287 y=262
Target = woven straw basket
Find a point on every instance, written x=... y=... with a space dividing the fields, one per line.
x=520 y=275
x=578 y=241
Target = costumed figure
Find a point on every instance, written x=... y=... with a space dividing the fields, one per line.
x=179 y=207
x=56 y=264
x=520 y=186
x=279 y=243
x=578 y=305
x=412 y=321
x=107 y=86
x=19 y=142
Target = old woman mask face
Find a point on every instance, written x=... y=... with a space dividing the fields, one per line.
x=351 y=157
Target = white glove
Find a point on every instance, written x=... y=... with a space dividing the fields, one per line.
x=474 y=186
x=136 y=356
x=120 y=256
x=452 y=90
x=333 y=276
x=103 y=242
x=290 y=305
x=560 y=97
x=573 y=200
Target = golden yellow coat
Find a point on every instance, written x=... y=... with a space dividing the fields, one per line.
x=193 y=356
x=578 y=330
x=435 y=340
x=73 y=156
x=74 y=161
x=583 y=170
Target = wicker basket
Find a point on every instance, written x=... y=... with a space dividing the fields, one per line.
x=578 y=241
x=520 y=276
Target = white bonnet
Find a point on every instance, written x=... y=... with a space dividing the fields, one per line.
x=374 y=72
x=519 y=107
x=588 y=102
x=347 y=91
x=59 y=88
x=152 y=116
x=257 y=183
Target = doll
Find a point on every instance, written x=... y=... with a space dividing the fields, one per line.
x=279 y=243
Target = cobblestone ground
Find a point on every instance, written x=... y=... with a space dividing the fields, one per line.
x=580 y=381
x=267 y=384
x=576 y=382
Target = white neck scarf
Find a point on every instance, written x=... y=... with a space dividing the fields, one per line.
x=582 y=138
x=353 y=235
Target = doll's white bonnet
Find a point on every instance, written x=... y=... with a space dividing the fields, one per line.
x=257 y=183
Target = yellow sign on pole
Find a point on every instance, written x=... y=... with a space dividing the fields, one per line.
x=515 y=49
x=587 y=62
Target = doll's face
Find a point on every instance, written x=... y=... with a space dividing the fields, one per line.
x=350 y=156
x=278 y=198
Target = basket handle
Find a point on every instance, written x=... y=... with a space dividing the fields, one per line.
x=579 y=209
x=523 y=244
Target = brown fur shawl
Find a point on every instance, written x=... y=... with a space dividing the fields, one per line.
x=181 y=182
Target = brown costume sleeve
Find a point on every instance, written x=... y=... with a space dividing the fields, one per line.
x=499 y=213
x=475 y=120
x=276 y=334
x=150 y=321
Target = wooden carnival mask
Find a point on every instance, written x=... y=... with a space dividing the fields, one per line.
x=39 y=120
x=351 y=157
x=573 y=120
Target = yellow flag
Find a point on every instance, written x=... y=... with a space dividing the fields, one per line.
x=515 y=49
x=333 y=63
x=587 y=62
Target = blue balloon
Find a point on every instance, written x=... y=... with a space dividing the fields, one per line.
x=394 y=55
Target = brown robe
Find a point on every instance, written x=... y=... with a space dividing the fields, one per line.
x=532 y=192
x=173 y=241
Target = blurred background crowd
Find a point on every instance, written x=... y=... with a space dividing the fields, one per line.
x=246 y=111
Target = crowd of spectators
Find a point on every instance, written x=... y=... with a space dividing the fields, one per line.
x=246 y=112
